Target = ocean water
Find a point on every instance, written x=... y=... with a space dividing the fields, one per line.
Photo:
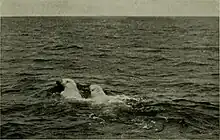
x=170 y=64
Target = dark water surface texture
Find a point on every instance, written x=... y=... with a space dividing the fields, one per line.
x=170 y=63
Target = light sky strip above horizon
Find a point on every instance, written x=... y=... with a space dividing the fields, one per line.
x=109 y=8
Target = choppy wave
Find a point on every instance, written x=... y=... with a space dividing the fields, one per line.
x=168 y=67
x=186 y=63
x=82 y=117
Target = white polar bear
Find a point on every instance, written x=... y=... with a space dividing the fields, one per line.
x=99 y=96
x=70 y=89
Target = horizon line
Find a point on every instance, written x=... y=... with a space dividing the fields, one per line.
x=108 y=16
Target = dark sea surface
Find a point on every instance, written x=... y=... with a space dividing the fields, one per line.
x=171 y=64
